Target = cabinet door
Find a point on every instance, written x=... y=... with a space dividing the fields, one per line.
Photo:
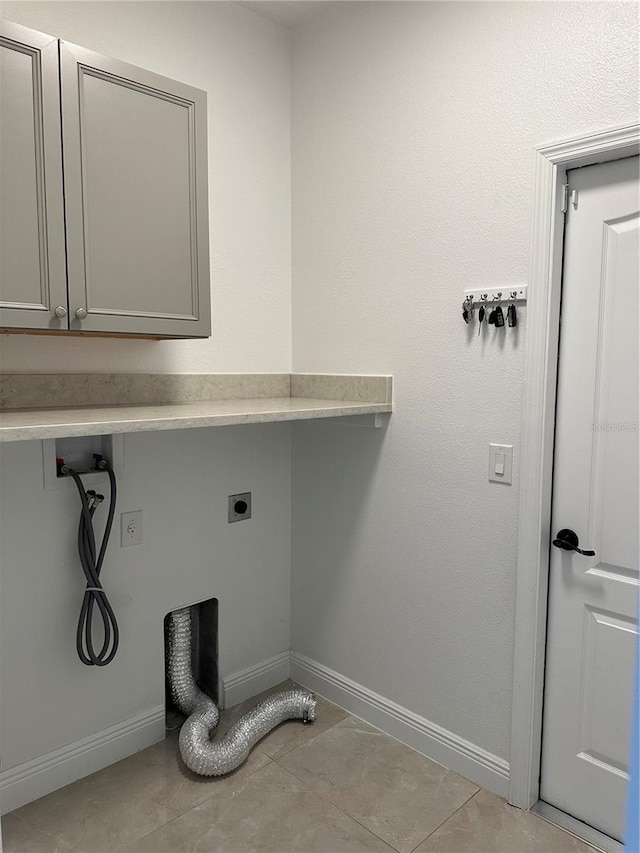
x=32 y=253
x=135 y=173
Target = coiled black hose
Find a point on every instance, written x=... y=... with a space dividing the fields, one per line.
x=91 y=561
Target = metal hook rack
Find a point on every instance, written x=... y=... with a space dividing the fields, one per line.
x=487 y=295
x=489 y=304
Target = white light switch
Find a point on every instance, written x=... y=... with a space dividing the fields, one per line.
x=500 y=463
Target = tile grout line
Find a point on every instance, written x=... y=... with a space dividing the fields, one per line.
x=310 y=789
x=327 y=798
x=304 y=743
x=322 y=796
x=271 y=760
x=355 y=820
x=186 y=811
x=321 y=793
x=448 y=819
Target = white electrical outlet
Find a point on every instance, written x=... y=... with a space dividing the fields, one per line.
x=131 y=528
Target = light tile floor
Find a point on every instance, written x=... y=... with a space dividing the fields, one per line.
x=337 y=786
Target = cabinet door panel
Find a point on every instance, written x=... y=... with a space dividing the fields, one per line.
x=136 y=190
x=32 y=257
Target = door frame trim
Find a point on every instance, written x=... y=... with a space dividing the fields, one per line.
x=537 y=436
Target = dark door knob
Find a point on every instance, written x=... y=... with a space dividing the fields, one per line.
x=568 y=541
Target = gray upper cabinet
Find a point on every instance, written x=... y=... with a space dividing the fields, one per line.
x=135 y=170
x=134 y=150
x=32 y=254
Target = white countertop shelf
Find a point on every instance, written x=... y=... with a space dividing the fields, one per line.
x=28 y=424
x=41 y=406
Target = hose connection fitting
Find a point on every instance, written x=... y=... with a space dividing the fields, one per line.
x=309 y=709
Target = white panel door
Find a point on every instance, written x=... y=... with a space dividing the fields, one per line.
x=593 y=599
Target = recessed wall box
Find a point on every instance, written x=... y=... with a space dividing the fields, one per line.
x=204 y=639
x=78 y=452
x=239 y=507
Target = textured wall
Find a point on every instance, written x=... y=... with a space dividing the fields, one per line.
x=190 y=553
x=243 y=62
x=413 y=134
x=414 y=126
x=180 y=480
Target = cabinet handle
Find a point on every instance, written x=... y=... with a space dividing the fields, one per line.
x=60 y=312
x=81 y=313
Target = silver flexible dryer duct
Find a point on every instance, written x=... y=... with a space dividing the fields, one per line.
x=198 y=751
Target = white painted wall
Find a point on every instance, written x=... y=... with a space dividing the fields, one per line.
x=190 y=553
x=180 y=480
x=413 y=134
x=243 y=62
x=414 y=126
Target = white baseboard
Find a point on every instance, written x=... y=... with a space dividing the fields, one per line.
x=254 y=679
x=437 y=743
x=33 y=779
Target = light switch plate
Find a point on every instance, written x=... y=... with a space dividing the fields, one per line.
x=501 y=457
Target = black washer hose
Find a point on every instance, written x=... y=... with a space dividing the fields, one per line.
x=94 y=594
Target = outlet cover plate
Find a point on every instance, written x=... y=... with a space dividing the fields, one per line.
x=131 y=528
x=239 y=507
